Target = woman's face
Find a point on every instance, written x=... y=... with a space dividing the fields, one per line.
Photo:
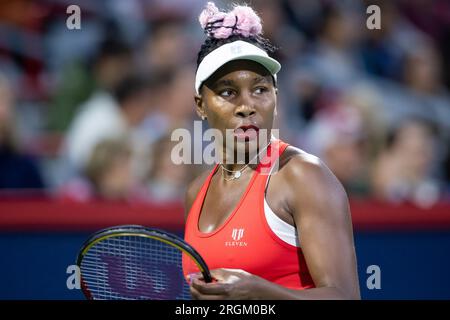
x=239 y=100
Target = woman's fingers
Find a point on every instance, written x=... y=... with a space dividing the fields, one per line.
x=198 y=293
x=228 y=275
x=192 y=276
x=227 y=280
x=212 y=288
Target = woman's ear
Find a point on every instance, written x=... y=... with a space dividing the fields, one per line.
x=199 y=106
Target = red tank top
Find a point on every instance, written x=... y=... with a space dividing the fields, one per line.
x=245 y=240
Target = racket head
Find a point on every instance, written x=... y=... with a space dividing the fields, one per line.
x=133 y=262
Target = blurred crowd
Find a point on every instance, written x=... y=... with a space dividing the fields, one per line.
x=88 y=114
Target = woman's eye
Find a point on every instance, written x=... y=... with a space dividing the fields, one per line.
x=226 y=93
x=261 y=90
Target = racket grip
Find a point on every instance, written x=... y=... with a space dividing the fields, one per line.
x=208 y=278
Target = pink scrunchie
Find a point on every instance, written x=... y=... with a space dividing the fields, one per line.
x=242 y=20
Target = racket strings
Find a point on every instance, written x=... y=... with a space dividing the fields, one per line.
x=134 y=267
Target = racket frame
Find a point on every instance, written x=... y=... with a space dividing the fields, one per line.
x=146 y=232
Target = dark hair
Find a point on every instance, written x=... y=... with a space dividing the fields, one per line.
x=103 y=156
x=211 y=44
x=131 y=86
x=431 y=128
x=112 y=47
x=163 y=22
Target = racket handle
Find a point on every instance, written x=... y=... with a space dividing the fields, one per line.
x=208 y=278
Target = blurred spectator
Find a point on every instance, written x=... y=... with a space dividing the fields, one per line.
x=170 y=110
x=167 y=45
x=107 y=175
x=403 y=172
x=326 y=66
x=345 y=136
x=421 y=93
x=105 y=116
x=279 y=30
x=422 y=70
x=333 y=60
x=109 y=67
x=158 y=121
x=423 y=78
x=17 y=170
x=167 y=181
x=178 y=107
x=382 y=50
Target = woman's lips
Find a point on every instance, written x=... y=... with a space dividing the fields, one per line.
x=246 y=133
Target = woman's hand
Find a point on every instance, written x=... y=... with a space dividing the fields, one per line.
x=228 y=284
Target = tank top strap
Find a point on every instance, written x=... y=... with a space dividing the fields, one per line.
x=264 y=168
x=275 y=149
x=198 y=202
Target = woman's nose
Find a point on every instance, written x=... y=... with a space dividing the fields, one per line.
x=244 y=111
x=245 y=108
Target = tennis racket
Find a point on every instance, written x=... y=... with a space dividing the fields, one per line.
x=132 y=262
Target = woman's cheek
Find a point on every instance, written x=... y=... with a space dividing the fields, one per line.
x=218 y=101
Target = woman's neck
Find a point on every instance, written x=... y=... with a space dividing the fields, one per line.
x=236 y=160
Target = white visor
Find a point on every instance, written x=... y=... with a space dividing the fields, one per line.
x=236 y=50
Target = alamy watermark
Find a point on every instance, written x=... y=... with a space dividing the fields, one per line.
x=73 y=280
x=235 y=146
x=374 y=279
x=73 y=21
x=374 y=20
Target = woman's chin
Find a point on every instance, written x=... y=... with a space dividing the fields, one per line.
x=246 y=136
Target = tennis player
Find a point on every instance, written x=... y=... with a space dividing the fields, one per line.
x=279 y=228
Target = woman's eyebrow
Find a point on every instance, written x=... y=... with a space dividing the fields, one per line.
x=224 y=82
x=261 y=79
x=229 y=82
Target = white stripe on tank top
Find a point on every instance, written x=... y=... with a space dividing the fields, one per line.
x=282 y=229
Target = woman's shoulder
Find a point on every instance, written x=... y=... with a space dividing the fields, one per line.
x=294 y=158
x=307 y=182
x=298 y=167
